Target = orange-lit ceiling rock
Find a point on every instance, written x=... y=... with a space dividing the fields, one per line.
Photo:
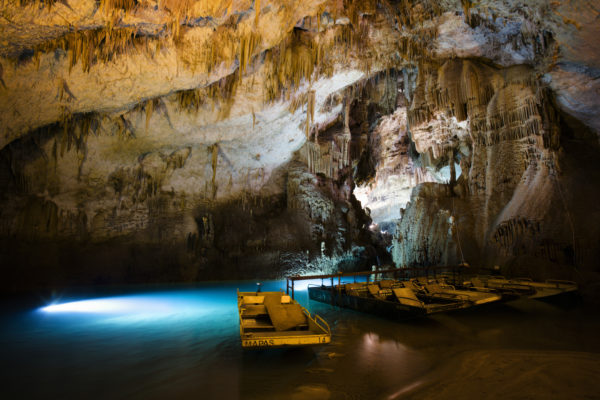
x=161 y=76
x=88 y=59
x=160 y=47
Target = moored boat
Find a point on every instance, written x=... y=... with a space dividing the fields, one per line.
x=400 y=299
x=439 y=288
x=514 y=288
x=274 y=319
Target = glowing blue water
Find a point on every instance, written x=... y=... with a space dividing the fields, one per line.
x=174 y=342
x=183 y=342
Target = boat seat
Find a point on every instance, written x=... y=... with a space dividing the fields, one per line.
x=407 y=297
x=418 y=286
x=386 y=283
x=381 y=294
x=477 y=283
x=254 y=310
x=356 y=289
x=450 y=295
x=373 y=290
x=434 y=286
x=353 y=286
x=252 y=299
x=285 y=316
x=253 y=324
x=423 y=280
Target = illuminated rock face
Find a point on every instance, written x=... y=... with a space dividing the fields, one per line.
x=510 y=206
x=183 y=140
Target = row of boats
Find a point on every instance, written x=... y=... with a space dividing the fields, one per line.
x=275 y=319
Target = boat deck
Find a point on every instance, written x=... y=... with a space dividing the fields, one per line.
x=273 y=319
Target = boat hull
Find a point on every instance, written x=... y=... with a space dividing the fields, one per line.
x=513 y=289
x=285 y=341
x=382 y=308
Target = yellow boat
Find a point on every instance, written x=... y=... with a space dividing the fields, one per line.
x=274 y=319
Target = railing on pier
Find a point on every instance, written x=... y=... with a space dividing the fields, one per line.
x=402 y=273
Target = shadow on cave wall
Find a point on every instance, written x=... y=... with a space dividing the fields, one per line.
x=252 y=237
x=144 y=234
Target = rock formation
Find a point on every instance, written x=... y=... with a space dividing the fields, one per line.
x=162 y=140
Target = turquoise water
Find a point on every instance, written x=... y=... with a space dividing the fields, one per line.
x=183 y=342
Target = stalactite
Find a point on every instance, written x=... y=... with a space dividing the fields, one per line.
x=190 y=99
x=511 y=231
x=256 y=11
x=149 y=110
x=310 y=108
x=214 y=160
x=305 y=55
x=328 y=157
x=227 y=43
x=288 y=64
x=101 y=45
x=499 y=107
x=44 y=3
x=124 y=128
x=247 y=46
x=66 y=125
x=298 y=102
x=310 y=112
x=221 y=93
x=126 y=5
x=467 y=5
x=64 y=92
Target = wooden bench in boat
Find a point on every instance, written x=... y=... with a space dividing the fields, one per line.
x=356 y=289
x=254 y=324
x=254 y=310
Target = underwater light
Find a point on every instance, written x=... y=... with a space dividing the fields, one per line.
x=145 y=308
x=116 y=305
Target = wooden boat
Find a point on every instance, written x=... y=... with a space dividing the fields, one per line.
x=399 y=299
x=441 y=289
x=274 y=319
x=521 y=287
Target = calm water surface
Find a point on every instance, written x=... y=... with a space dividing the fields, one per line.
x=183 y=342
